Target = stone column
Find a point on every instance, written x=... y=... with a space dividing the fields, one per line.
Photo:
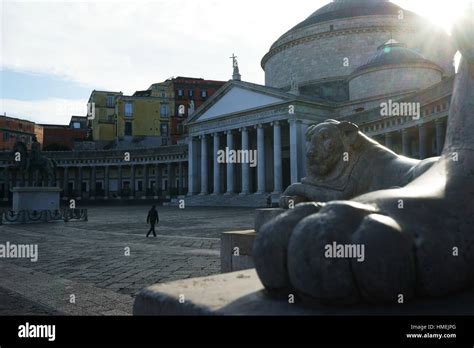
x=440 y=136
x=304 y=130
x=157 y=180
x=261 y=189
x=245 y=166
x=22 y=180
x=422 y=139
x=204 y=168
x=132 y=180
x=277 y=162
x=79 y=182
x=7 y=184
x=192 y=170
x=106 y=181
x=145 y=179
x=295 y=140
x=230 y=166
x=406 y=142
x=389 y=140
x=93 y=182
x=170 y=178
x=120 y=181
x=181 y=178
x=15 y=178
x=65 y=182
x=217 y=166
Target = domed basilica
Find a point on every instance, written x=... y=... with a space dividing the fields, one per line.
x=370 y=62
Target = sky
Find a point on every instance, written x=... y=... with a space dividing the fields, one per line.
x=54 y=53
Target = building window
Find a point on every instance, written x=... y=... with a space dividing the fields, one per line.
x=180 y=129
x=331 y=27
x=163 y=94
x=180 y=93
x=164 y=130
x=128 y=110
x=203 y=93
x=164 y=141
x=128 y=129
x=76 y=125
x=164 y=111
x=6 y=136
x=110 y=101
x=191 y=93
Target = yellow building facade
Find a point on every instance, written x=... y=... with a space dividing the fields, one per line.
x=145 y=115
x=102 y=115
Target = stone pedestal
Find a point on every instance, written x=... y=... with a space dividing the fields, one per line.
x=237 y=246
x=242 y=293
x=236 y=251
x=35 y=198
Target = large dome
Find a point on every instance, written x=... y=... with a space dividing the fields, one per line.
x=321 y=52
x=351 y=8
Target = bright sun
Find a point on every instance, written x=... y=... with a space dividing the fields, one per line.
x=441 y=12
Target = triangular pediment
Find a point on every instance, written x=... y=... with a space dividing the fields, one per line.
x=235 y=98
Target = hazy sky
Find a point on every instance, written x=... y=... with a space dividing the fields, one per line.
x=54 y=53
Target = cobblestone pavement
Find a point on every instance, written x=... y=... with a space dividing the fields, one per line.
x=12 y=303
x=90 y=260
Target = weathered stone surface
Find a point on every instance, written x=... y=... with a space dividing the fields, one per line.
x=311 y=272
x=388 y=269
x=242 y=293
x=271 y=245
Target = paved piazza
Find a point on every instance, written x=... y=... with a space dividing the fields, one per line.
x=87 y=262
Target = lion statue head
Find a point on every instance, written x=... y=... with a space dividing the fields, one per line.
x=326 y=145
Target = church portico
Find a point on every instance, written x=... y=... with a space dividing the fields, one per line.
x=254 y=153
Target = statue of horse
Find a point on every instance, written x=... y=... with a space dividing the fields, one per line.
x=40 y=170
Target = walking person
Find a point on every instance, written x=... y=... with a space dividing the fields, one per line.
x=152 y=219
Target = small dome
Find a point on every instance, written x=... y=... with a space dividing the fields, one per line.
x=393 y=53
x=393 y=69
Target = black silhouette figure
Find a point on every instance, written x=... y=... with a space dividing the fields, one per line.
x=152 y=219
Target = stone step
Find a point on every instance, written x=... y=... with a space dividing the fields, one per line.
x=242 y=293
x=251 y=201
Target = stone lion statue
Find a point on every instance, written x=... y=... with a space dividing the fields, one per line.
x=341 y=162
x=370 y=249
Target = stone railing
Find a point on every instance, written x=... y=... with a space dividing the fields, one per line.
x=160 y=154
x=29 y=216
